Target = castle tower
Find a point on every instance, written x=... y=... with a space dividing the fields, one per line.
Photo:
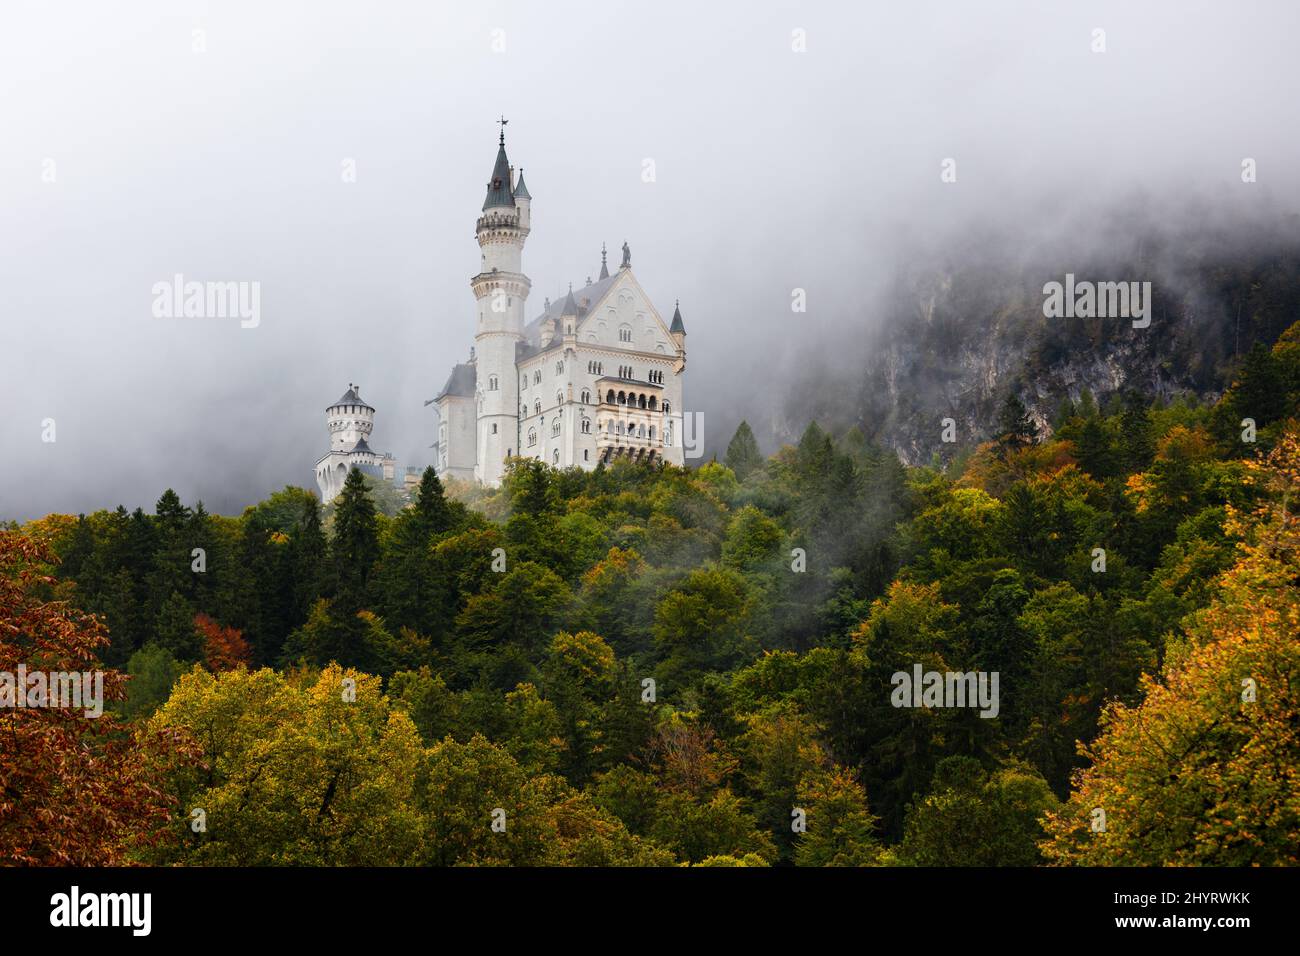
x=500 y=293
x=350 y=421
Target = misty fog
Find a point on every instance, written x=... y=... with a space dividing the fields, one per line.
x=128 y=157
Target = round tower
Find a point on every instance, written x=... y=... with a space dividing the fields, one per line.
x=350 y=420
x=500 y=293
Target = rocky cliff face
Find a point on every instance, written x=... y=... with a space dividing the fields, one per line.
x=955 y=339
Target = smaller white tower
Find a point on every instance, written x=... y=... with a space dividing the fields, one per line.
x=350 y=420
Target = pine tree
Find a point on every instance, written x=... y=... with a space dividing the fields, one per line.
x=433 y=514
x=1015 y=428
x=175 y=630
x=307 y=550
x=404 y=580
x=743 y=456
x=355 y=548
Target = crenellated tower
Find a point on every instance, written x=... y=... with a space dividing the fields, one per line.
x=500 y=293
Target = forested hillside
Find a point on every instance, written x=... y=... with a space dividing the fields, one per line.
x=657 y=666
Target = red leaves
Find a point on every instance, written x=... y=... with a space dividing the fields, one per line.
x=74 y=790
x=224 y=648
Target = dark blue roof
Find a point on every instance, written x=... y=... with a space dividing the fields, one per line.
x=678 y=325
x=461 y=382
x=521 y=191
x=350 y=397
x=498 y=190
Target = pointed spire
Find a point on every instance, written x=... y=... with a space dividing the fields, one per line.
x=604 y=269
x=570 y=307
x=678 y=325
x=521 y=191
x=498 y=188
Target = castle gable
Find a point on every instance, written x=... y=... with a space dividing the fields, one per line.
x=624 y=318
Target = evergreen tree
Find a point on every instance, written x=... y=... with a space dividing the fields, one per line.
x=355 y=547
x=404 y=582
x=175 y=631
x=1015 y=428
x=743 y=455
x=1136 y=446
x=307 y=558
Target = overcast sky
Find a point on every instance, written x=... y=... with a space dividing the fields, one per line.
x=774 y=170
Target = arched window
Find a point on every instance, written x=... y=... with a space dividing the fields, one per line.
x=622 y=398
x=559 y=398
x=640 y=431
x=652 y=433
x=665 y=408
x=641 y=401
x=653 y=402
x=555 y=457
x=555 y=428
x=625 y=333
x=586 y=426
x=559 y=368
x=492 y=383
x=586 y=397
x=532 y=437
x=609 y=398
x=537 y=377
x=537 y=407
x=584 y=455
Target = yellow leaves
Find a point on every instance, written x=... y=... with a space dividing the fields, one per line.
x=1138 y=488
x=1191 y=776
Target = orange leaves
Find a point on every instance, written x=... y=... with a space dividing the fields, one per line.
x=224 y=648
x=74 y=790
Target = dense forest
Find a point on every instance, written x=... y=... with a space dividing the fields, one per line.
x=656 y=666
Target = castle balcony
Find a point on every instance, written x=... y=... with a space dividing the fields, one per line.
x=628 y=394
x=609 y=448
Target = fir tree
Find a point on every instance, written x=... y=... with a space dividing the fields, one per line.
x=743 y=455
x=355 y=548
x=1015 y=428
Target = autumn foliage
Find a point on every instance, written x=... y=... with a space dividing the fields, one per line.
x=224 y=648
x=1203 y=772
x=74 y=790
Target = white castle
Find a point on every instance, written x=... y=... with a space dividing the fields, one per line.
x=350 y=421
x=593 y=377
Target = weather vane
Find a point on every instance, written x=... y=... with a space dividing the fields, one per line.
x=502 y=123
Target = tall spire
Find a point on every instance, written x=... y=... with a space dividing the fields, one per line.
x=521 y=191
x=604 y=269
x=570 y=307
x=678 y=325
x=498 y=189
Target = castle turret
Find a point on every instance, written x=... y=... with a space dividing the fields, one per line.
x=678 y=328
x=350 y=420
x=501 y=291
